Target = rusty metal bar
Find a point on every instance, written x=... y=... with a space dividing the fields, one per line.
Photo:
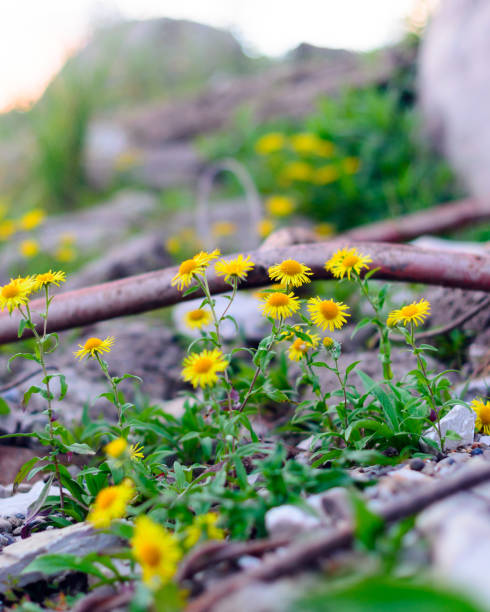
x=153 y=290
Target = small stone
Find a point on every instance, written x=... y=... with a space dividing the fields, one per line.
x=289 y=520
x=485 y=440
x=5 y=525
x=476 y=451
x=417 y=464
x=390 y=452
x=17 y=531
x=19 y=515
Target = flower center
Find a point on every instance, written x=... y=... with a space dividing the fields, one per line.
x=484 y=414
x=196 y=315
x=300 y=345
x=150 y=554
x=106 y=498
x=92 y=343
x=279 y=299
x=410 y=310
x=290 y=267
x=10 y=291
x=329 y=309
x=203 y=365
x=187 y=266
x=350 y=261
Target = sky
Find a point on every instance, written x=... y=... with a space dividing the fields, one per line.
x=36 y=36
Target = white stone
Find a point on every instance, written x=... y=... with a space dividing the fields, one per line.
x=484 y=440
x=289 y=520
x=461 y=420
x=19 y=503
x=79 y=539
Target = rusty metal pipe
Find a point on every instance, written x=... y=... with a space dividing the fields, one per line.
x=153 y=290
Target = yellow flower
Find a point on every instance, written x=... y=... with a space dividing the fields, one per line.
x=32 y=219
x=344 y=261
x=328 y=342
x=203 y=525
x=94 y=347
x=350 y=165
x=173 y=245
x=156 y=550
x=415 y=313
x=325 y=175
x=110 y=504
x=221 y=229
x=482 y=410
x=234 y=269
x=7 y=229
x=265 y=227
x=48 y=278
x=290 y=273
x=300 y=347
x=296 y=171
x=197 y=318
x=270 y=143
x=190 y=268
x=136 y=452
x=279 y=305
x=324 y=230
x=16 y=293
x=308 y=143
x=68 y=238
x=116 y=448
x=201 y=368
x=65 y=253
x=327 y=313
x=128 y=159
x=29 y=248
x=279 y=206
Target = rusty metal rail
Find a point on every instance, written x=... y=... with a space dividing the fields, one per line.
x=153 y=290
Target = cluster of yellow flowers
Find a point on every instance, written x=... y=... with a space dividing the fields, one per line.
x=17 y=292
x=304 y=143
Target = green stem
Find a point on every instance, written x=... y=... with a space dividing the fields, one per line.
x=117 y=403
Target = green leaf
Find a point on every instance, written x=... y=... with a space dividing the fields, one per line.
x=34 y=508
x=79 y=449
x=368 y=525
x=360 y=325
x=54 y=564
x=4 y=407
x=24 y=470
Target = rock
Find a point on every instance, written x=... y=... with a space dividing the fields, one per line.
x=451 y=464
x=5 y=525
x=485 y=440
x=19 y=503
x=79 y=539
x=417 y=464
x=289 y=520
x=458 y=529
x=476 y=451
x=461 y=420
x=333 y=505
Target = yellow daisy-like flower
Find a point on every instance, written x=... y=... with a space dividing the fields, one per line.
x=482 y=410
x=7 y=229
x=265 y=227
x=48 y=278
x=94 y=347
x=16 y=293
x=110 y=504
x=350 y=165
x=296 y=171
x=300 y=347
x=173 y=245
x=327 y=313
x=290 y=273
x=136 y=452
x=279 y=305
x=328 y=342
x=234 y=269
x=415 y=313
x=32 y=219
x=345 y=261
x=65 y=253
x=324 y=230
x=190 y=268
x=279 y=206
x=308 y=143
x=156 y=550
x=201 y=369
x=221 y=229
x=116 y=448
x=203 y=526
x=29 y=248
x=198 y=318
x=270 y=143
x=325 y=175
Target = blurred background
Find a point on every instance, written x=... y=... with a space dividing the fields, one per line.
x=133 y=132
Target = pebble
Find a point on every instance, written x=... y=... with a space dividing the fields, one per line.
x=417 y=464
x=476 y=451
x=17 y=531
x=5 y=525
